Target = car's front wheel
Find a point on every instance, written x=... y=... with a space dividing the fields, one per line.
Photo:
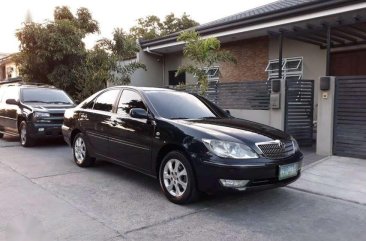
x=25 y=139
x=81 y=153
x=177 y=179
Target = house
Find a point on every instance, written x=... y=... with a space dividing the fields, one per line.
x=8 y=67
x=311 y=39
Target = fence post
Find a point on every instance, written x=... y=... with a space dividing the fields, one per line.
x=277 y=115
x=324 y=137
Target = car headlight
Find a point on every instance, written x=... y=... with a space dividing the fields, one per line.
x=39 y=115
x=295 y=144
x=229 y=149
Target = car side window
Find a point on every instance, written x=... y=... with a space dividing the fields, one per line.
x=105 y=101
x=129 y=99
x=11 y=92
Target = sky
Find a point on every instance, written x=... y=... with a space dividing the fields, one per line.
x=112 y=14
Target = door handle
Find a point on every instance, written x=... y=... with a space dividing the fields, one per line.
x=115 y=121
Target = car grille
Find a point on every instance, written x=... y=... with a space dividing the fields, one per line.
x=276 y=149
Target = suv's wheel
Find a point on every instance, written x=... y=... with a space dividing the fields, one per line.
x=81 y=154
x=177 y=179
x=25 y=139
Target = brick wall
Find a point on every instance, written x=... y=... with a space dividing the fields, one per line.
x=252 y=59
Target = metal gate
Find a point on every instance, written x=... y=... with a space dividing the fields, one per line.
x=349 y=130
x=299 y=107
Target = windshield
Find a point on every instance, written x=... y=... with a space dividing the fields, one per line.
x=179 y=105
x=44 y=95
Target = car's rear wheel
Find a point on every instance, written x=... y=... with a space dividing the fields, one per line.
x=25 y=139
x=177 y=179
x=81 y=153
x=1 y=135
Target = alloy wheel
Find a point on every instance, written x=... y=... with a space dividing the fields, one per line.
x=175 y=177
x=80 y=150
x=23 y=135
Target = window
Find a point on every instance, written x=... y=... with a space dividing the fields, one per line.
x=292 y=64
x=180 y=105
x=105 y=101
x=212 y=73
x=290 y=67
x=272 y=66
x=129 y=99
x=176 y=80
x=45 y=95
x=11 y=92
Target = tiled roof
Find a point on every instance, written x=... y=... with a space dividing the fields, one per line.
x=270 y=8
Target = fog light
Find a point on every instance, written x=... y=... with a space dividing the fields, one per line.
x=234 y=183
x=40 y=129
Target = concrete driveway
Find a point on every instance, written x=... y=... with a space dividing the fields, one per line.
x=44 y=196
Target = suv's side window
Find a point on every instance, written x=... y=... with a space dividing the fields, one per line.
x=105 y=101
x=11 y=92
x=129 y=99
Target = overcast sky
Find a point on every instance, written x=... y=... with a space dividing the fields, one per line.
x=112 y=14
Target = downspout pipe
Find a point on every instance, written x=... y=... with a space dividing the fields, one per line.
x=163 y=59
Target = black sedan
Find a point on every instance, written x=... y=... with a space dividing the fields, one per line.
x=184 y=140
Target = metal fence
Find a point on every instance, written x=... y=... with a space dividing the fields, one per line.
x=249 y=95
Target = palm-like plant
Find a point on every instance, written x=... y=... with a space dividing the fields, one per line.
x=203 y=53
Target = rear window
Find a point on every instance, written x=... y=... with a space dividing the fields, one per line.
x=44 y=95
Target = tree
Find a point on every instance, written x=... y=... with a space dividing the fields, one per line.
x=152 y=27
x=54 y=53
x=121 y=49
x=202 y=53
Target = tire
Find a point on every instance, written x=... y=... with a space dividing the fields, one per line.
x=177 y=179
x=80 y=152
x=1 y=135
x=25 y=139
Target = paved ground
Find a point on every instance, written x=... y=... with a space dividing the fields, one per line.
x=44 y=196
x=338 y=177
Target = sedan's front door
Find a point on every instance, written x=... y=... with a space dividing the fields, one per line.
x=131 y=138
x=95 y=121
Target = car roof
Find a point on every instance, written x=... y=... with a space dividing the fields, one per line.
x=143 y=89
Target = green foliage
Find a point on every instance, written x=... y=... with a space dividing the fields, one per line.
x=152 y=27
x=54 y=53
x=202 y=53
x=120 y=49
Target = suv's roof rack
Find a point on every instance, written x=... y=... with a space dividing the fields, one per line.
x=17 y=82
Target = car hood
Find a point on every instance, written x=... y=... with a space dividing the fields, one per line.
x=233 y=128
x=50 y=107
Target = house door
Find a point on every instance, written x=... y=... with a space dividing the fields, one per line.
x=350 y=63
x=349 y=129
x=299 y=106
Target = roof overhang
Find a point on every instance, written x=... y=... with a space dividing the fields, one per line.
x=351 y=10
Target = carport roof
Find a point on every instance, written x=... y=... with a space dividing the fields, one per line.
x=266 y=13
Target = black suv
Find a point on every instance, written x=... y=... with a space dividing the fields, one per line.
x=33 y=111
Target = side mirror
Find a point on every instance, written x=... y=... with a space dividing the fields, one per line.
x=138 y=113
x=11 y=102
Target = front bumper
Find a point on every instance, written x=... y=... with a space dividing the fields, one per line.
x=66 y=132
x=41 y=130
x=262 y=174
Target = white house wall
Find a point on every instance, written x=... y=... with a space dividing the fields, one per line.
x=153 y=76
x=172 y=62
x=314 y=60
